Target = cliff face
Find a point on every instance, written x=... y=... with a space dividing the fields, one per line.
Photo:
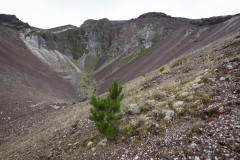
x=105 y=37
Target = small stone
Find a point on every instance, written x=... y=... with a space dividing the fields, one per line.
x=55 y=107
x=237 y=127
x=235 y=59
x=197 y=158
x=227 y=155
x=226 y=60
x=212 y=79
x=93 y=149
x=230 y=67
x=157 y=126
x=103 y=142
x=222 y=79
x=89 y=144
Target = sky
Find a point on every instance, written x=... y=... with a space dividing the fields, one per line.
x=53 y=13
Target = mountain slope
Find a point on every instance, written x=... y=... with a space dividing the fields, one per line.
x=190 y=110
x=25 y=79
x=184 y=40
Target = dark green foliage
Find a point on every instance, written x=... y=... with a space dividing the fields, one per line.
x=162 y=69
x=104 y=111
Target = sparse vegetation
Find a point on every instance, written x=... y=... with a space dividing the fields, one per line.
x=161 y=69
x=104 y=111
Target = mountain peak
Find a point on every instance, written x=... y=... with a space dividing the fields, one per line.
x=153 y=14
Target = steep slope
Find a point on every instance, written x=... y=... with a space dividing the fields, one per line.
x=188 y=111
x=187 y=38
x=25 y=78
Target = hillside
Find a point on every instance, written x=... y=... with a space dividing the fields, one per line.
x=188 y=111
x=189 y=36
x=27 y=77
x=130 y=48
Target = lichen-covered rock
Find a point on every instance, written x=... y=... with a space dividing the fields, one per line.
x=156 y=112
x=196 y=85
x=140 y=120
x=90 y=144
x=222 y=79
x=162 y=104
x=134 y=109
x=103 y=142
x=151 y=103
x=179 y=110
x=168 y=114
x=171 y=100
x=177 y=104
x=184 y=94
x=190 y=98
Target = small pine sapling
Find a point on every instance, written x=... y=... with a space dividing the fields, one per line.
x=104 y=111
x=162 y=69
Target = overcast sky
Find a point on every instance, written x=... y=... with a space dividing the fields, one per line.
x=52 y=13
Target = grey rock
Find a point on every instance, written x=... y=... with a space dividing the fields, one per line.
x=235 y=59
x=230 y=67
x=226 y=60
x=222 y=79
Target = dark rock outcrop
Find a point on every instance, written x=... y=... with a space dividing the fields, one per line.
x=13 y=22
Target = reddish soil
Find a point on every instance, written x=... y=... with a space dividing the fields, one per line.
x=174 y=46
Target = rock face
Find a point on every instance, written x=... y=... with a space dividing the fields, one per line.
x=12 y=21
x=105 y=37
